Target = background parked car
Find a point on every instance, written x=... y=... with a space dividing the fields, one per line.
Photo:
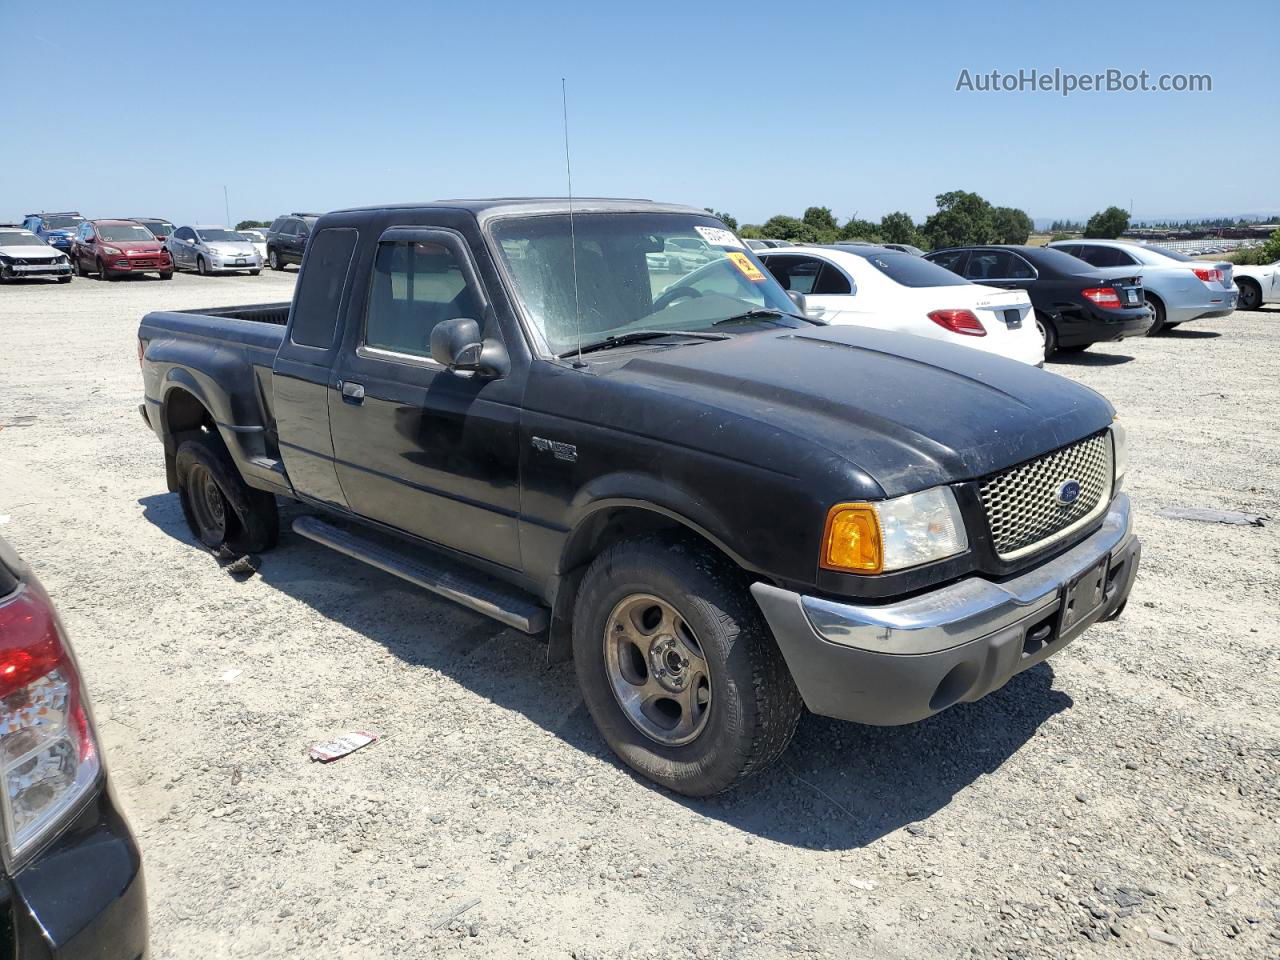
x=160 y=229
x=887 y=289
x=1257 y=285
x=71 y=883
x=1076 y=304
x=900 y=247
x=206 y=250
x=23 y=255
x=287 y=238
x=257 y=238
x=766 y=243
x=55 y=229
x=1177 y=287
x=116 y=248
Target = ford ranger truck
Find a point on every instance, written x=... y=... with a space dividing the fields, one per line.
x=722 y=511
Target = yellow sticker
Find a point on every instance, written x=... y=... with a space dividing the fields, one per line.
x=749 y=269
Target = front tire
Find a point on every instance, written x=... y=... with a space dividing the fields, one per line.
x=66 y=279
x=254 y=273
x=103 y=272
x=221 y=509
x=677 y=666
x=273 y=260
x=168 y=275
x=202 y=268
x=1157 y=313
x=1250 y=295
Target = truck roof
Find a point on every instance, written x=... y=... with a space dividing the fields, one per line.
x=499 y=206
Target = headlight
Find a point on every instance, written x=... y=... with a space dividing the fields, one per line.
x=893 y=534
x=1119 y=451
x=113 y=251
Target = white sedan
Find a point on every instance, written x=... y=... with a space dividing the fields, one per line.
x=1257 y=285
x=872 y=286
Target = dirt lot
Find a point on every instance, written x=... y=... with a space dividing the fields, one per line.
x=1123 y=799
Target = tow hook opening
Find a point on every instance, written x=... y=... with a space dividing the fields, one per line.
x=958 y=681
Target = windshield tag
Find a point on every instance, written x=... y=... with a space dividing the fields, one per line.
x=749 y=269
x=718 y=237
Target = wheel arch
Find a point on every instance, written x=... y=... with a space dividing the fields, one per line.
x=183 y=412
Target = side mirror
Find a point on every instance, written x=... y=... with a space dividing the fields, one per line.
x=457 y=345
x=798 y=299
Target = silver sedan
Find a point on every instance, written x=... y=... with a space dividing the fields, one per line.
x=213 y=250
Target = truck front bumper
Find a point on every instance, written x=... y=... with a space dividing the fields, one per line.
x=901 y=662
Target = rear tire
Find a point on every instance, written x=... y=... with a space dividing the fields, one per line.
x=220 y=508
x=1250 y=294
x=1157 y=312
x=273 y=260
x=678 y=668
x=80 y=270
x=1048 y=333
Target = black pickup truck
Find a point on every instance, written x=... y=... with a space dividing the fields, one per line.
x=723 y=511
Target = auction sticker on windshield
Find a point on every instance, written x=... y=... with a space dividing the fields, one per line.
x=749 y=269
x=718 y=237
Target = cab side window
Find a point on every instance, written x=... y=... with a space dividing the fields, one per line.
x=416 y=285
x=953 y=260
x=797 y=274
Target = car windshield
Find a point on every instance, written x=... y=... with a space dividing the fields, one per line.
x=159 y=228
x=20 y=238
x=62 y=223
x=125 y=234
x=217 y=235
x=627 y=283
x=909 y=270
x=1171 y=254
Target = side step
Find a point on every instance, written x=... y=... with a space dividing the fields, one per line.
x=438 y=574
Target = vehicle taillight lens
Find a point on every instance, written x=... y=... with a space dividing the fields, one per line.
x=1208 y=274
x=1103 y=297
x=959 y=321
x=48 y=755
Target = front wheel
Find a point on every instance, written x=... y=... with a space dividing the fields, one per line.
x=167 y=275
x=273 y=260
x=202 y=268
x=220 y=508
x=254 y=273
x=66 y=279
x=677 y=666
x=1250 y=295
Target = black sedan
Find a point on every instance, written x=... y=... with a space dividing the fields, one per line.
x=71 y=881
x=1076 y=304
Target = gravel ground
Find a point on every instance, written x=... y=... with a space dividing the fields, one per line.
x=1121 y=799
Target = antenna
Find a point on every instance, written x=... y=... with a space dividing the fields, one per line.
x=573 y=239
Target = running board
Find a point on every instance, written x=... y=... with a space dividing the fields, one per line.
x=440 y=575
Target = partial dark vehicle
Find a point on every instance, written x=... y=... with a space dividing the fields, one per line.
x=287 y=238
x=55 y=229
x=112 y=249
x=1076 y=304
x=721 y=510
x=72 y=875
x=160 y=229
x=24 y=256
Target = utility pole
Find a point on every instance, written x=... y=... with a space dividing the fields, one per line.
x=226 y=202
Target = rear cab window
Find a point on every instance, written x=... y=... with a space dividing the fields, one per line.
x=315 y=315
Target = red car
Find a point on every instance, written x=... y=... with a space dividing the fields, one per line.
x=116 y=248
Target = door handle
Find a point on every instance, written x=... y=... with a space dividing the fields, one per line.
x=352 y=392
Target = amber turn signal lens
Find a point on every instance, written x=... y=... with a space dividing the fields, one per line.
x=852 y=539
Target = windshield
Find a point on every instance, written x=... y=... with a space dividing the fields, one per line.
x=627 y=281
x=910 y=270
x=62 y=223
x=125 y=234
x=218 y=235
x=159 y=228
x=18 y=238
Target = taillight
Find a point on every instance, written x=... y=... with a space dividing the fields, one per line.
x=959 y=321
x=48 y=754
x=1209 y=274
x=1103 y=297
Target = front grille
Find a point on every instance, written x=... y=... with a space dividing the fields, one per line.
x=1024 y=510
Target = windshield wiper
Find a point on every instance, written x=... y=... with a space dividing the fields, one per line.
x=757 y=313
x=636 y=336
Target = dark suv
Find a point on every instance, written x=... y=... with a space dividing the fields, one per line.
x=287 y=238
x=55 y=229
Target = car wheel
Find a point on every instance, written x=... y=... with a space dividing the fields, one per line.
x=80 y=269
x=677 y=667
x=202 y=268
x=254 y=273
x=273 y=260
x=1250 y=295
x=220 y=508
x=1048 y=334
x=66 y=279
x=103 y=272
x=1157 y=313
x=167 y=276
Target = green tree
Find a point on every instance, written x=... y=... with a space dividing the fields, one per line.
x=1107 y=224
x=783 y=227
x=751 y=231
x=1011 y=225
x=729 y=221
x=864 y=230
x=962 y=219
x=250 y=224
x=898 y=227
x=1271 y=249
x=823 y=223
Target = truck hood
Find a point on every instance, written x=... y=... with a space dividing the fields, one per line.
x=908 y=412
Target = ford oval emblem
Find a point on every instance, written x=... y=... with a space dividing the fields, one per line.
x=1069 y=492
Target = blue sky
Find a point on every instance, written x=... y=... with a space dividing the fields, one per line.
x=754 y=108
